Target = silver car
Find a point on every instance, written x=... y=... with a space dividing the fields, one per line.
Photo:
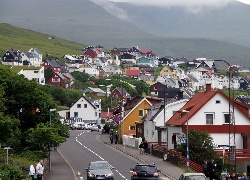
x=100 y=170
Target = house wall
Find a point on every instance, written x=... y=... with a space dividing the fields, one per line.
x=131 y=118
x=88 y=113
x=37 y=74
x=223 y=139
x=219 y=110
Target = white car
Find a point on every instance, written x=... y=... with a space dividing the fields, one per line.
x=96 y=128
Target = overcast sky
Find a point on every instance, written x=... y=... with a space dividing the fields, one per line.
x=191 y=6
x=211 y=3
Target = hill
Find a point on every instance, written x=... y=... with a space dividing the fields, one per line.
x=84 y=22
x=22 y=39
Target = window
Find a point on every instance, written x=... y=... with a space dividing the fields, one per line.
x=227 y=118
x=217 y=101
x=36 y=71
x=132 y=128
x=85 y=105
x=78 y=105
x=209 y=118
x=75 y=114
x=140 y=112
x=95 y=114
x=146 y=132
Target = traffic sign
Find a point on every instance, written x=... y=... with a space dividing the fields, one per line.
x=183 y=140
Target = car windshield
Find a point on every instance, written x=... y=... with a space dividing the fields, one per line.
x=145 y=168
x=99 y=166
x=195 y=177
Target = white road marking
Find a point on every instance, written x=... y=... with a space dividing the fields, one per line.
x=95 y=153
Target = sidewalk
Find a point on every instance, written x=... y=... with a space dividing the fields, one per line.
x=168 y=169
x=60 y=169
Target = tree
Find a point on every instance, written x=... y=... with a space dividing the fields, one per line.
x=43 y=137
x=200 y=147
x=9 y=130
x=48 y=73
x=80 y=76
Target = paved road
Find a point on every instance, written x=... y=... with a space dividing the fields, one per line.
x=82 y=147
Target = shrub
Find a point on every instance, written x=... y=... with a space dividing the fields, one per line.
x=9 y=171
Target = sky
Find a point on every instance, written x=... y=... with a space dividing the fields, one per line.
x=186 y=3
x=191 y=6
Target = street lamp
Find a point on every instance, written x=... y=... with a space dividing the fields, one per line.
x=187 y=157
x=51 y=110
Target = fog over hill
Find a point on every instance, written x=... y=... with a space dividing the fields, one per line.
x=91 y=23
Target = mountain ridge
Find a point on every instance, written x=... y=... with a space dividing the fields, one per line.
x=84 y=22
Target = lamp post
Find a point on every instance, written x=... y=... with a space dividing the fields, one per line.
x=51 y=110
x=187 y=155
x=231 y=125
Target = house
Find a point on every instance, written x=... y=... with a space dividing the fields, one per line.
x=94 y=52
x=244 y=83
x=38 y=53
x=119 y=51
x=12 y=57
x=145 y=61
x=121 y=93
x=55 y=65
x=30 y=58
x=73 y=61
x=88 y=69
x=167 y=60
x=127 y=124
x=168 y=71
x=154 y=122
x=209 y=110
x=86 y=109
x=60 y=80
x=193 y=82
x=95 y=91
x=243 y=99
x=128 y=57
x=195 y=73
x=243 y=70
x=31 y=73
x=112 y=69
x=133 y=73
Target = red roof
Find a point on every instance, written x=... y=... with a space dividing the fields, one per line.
x=106 y=114
x=197 y=102
x=133 y=72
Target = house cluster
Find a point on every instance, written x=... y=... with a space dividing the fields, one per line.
x=137 y=63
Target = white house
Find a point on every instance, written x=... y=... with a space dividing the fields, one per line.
x=32 y=72
x=154 y=122
x=209 y=110
x=38 y=54
x=86 y=109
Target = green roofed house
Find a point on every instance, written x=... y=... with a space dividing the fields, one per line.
x=31 y=73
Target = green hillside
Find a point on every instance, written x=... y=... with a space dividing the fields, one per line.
x=17 y=38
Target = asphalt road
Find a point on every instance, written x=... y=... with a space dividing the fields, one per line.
x=82 y=147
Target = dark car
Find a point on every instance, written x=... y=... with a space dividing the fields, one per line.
x=100 y=170
x=145 y=172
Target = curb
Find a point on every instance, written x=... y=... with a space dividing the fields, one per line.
x=135 y=157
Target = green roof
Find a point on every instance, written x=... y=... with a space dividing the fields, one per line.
x=17 y=69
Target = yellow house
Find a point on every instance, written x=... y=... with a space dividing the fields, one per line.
x=168 y=71
x=128 y=123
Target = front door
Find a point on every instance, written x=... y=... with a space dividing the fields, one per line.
x=159 y=136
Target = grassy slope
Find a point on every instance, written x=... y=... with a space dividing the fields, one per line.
x=17 y=38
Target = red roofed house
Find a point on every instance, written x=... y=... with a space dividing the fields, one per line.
x=209 y=110
x=135 y=73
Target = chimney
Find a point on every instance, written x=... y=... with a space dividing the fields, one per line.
x=180 y=95
x=208 y=87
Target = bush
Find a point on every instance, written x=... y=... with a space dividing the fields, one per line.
x=9 y=171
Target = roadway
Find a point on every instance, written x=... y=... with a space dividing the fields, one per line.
x=82 y=147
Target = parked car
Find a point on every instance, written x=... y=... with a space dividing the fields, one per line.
x=193 y=176
x=100 y=170
x=80 y=126
x=145 y=171
x=89 y=125
x=95 y=128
